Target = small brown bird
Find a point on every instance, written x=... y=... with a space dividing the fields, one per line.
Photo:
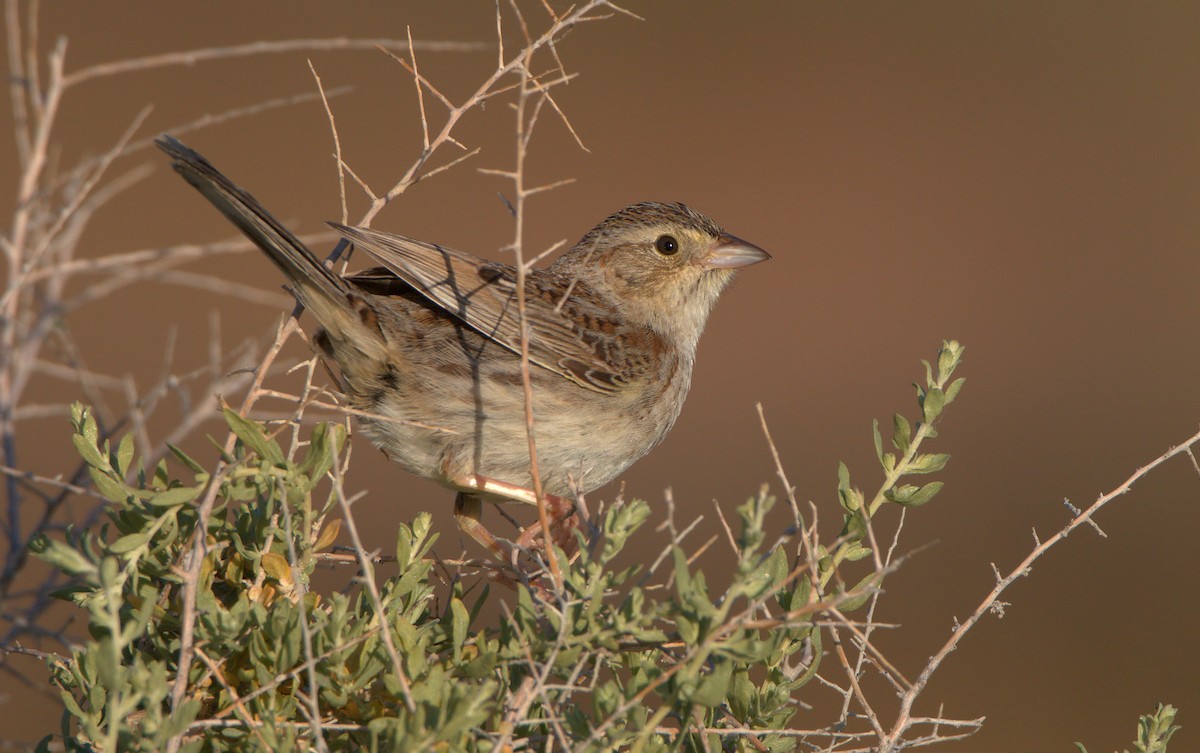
x=430 y=343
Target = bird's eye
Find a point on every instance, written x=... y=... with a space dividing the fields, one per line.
x=666 y=245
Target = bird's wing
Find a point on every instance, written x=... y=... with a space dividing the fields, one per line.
x=483 y=296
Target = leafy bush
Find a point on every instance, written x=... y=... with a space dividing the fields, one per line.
x=643 y=656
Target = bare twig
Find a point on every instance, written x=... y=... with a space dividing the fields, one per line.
x=367 y=573
x=337 y=142
x=904 y=719
x=192 y=57
x=523 y=133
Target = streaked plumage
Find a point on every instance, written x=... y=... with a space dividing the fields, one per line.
x=431 y=338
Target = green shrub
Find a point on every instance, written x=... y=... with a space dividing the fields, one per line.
x=641 y=657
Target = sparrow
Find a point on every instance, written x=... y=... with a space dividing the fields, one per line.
x=428 y=344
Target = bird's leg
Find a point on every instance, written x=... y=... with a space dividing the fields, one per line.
x=467 y=511
x=559 y=509
x=488 y=485
x=560 y=514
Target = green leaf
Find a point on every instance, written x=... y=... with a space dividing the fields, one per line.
x=768 y=575
x=948 y=359
x=855 y=551
x=946 y=363
x=404 y=542
x=854 y=525
x=901 y=494
x=922 y=495
x=878 y=440
x=113 y=489
x=252 y=435
x=777 y=567
x=125 y=454
x=689 y=631
x=180 y=495
x=109 y=670
x=952 y=390
x=933 y=403
x=802 y=594
x=72 y=705
x=715 y=685
x=324 y=444
x=421 y=526
x=459 y=622
x=180 y=719
x=815 y=664
x=824 y=559
x=619 y=523
x=62 y=556
x=183 y=457
x=130 y=541
x=87 y=425
x=683 y=580
x=741 y=694
x=395 y=687
x=867 y=586
x=931 y=463
x=89 y=452
x=901 y=433
x=851 y=499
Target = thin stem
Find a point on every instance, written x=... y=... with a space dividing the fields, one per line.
x=904 y=720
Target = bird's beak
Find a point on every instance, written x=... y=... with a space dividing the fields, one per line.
x=731 y=252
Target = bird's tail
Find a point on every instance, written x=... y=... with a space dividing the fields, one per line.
x=317 y=287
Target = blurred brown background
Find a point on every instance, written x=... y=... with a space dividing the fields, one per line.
x=1023 y=177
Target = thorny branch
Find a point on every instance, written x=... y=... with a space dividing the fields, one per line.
x=904 y=719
